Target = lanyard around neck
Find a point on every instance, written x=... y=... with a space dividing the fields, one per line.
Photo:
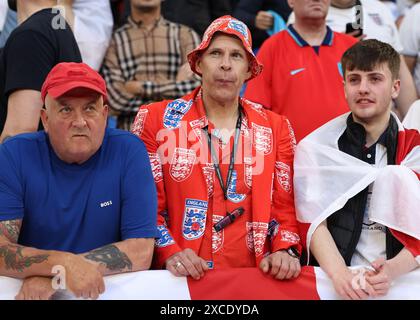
x=232 y=156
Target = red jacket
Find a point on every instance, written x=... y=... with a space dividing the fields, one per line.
x=173 y=135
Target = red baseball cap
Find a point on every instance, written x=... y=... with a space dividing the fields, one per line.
x=66 y=76
x=232 y=26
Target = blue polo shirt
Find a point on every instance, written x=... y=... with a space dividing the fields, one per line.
x=77 y=208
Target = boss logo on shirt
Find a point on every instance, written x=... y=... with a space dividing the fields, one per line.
x=106 y=203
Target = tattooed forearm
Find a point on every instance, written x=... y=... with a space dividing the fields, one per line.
x=15 y=260
x=10 y=229
x=112 y=257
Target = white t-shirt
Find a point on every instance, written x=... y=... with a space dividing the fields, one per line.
x=378 y=22
x=410 y=38
x=372 y=242
x=93 y=24
x=404 y=6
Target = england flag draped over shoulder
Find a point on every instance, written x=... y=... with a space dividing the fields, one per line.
x=325 y=178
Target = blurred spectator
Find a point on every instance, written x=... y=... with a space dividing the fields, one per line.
x=3 y=12
x=376 y=23
x=92 y=22
x=302 y=76
x=254 y=13
x=412 y=119
x=9 y=25
x=117 y=9
x=42 y=39
x=403 y=7
x=147 y=61
x=410 y=38
x=196 y=14
x=393 y=8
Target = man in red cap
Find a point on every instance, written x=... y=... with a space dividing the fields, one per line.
x=77 y=197
x=222 y=166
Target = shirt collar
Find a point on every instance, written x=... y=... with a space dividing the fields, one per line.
x=199 y=117
x=135 y=24
x=328 y=39
x=358 y=132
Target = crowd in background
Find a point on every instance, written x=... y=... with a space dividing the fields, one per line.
x=142 y=55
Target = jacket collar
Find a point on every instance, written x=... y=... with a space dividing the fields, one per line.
x=196 y=120
x=355 y=137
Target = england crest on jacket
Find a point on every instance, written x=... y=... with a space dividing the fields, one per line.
x=174 y=113
x=196 y=126
x=156 y=166
x=182 y=164
x=208 y=171
x=194 y=223
x=248 y=172
x=164 y=239
x=263 y=138
x=257 y=107
x=256 y=235
x=231 y=192
x=138 y=124
x=217 y=237
x=283 y=176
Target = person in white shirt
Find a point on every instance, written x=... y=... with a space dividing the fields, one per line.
x=410 y=37
x=3 y=11
x=412 y=119
x=393 y=8
x=92 y=23
x=405 y=5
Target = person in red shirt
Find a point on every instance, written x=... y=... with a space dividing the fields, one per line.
x=302 y=78
x=222 y=167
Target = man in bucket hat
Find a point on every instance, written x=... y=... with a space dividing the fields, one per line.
x=77 y=197
x=222 y=166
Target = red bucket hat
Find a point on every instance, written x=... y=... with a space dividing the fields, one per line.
x=228 y=25
x=66 y=76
